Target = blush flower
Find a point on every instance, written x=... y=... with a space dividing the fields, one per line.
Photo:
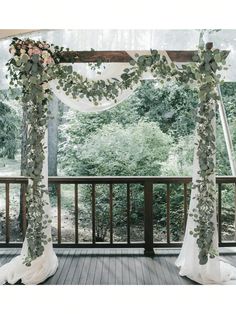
x=36 y=51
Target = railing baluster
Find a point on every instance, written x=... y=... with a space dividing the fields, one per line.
x=76 y=214
x=148 y=218
x=24 y=220
x=7 y=212
x=111 y=212
x=93 y=214
x=128 y=213
x=168 y=212
x=185 y=204
x=59 y=213
x=219 y=212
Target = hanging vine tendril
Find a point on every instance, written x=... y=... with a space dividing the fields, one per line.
x=34 y=64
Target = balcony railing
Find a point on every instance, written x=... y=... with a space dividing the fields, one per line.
x=148 y=186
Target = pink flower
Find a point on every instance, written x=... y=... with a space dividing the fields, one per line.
x=48 y=60
x=30 y=52
x=36 y=51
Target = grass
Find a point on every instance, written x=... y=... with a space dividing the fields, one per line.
x=10 y=167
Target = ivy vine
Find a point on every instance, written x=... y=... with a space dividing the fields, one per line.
x=34 y=64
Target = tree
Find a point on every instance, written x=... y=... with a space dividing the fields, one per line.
x=172 y=106
x=9 y=130
x=114 y=150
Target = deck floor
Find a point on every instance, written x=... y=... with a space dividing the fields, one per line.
x=113 y=267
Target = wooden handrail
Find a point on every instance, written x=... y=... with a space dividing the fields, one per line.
x=117 y=179
x=147 y=182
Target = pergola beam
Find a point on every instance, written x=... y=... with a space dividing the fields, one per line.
x=117 y=56
x=122 y=56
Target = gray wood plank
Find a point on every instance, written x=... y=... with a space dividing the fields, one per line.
x=132 y=270
x=61 y=280
x=105 y=269
x=112 y=267
x=164 y=270
x=98 y=272
x=92 y=269
x=139 y=271
x=86 y=268
x=159 y=270
x=72 y=269
x=172 y=270
x=146 y=273
x=125 y=268
x=62 y=255
x=79 y=268
x=152 y=271
x=118 y=266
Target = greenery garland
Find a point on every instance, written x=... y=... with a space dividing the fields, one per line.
x=34 y=64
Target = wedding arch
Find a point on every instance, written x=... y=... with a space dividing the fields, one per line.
x=40 y=69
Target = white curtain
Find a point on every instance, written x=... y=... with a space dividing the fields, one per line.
x=108 y=71
x=216 y=270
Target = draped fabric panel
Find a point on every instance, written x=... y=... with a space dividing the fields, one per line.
x=108 y=71
x=216 y=271
x=44 y=266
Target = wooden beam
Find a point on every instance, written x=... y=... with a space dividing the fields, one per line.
x=120 y=56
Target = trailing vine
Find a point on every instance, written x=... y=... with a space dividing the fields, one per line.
x=34 y=64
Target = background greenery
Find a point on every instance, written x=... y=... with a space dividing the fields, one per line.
x=151 y=133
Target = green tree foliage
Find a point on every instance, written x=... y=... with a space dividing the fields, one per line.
x=9 y=127
x=172 y=106
x=114 y=150
x=134 y=150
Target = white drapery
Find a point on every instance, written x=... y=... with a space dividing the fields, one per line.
x=108 y=71
x=45 y=265
x=215 y=271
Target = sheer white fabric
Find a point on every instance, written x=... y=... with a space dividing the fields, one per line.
x=41 y=268
x=217 y=270
x=108 y=71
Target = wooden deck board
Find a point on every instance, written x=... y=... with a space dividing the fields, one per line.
x=118 y=267
x=113 y=267
x=79 y=268
x=92 y=268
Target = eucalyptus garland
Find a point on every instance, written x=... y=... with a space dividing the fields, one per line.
x=34 y=64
